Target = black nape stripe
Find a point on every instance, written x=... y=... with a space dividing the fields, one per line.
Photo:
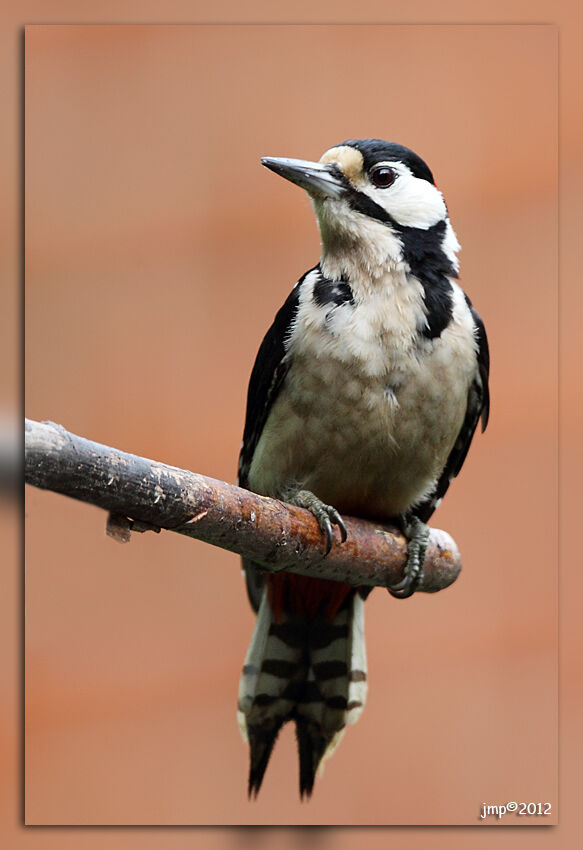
x=423 y=252
x=439 y=304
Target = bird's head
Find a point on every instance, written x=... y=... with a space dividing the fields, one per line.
x=377 y=205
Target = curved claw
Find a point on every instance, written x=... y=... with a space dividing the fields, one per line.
x=326 y=528
x=406 y=587
x=325 y=515
x=417 y=533
x=328 y=517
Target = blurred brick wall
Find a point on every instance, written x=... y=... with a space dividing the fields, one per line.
x=157 y=251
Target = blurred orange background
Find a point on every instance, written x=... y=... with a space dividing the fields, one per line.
x=157 y=251
x=567 y=15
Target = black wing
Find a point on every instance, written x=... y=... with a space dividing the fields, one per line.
x=478 y=407
x=271 y=366
x=269 y=370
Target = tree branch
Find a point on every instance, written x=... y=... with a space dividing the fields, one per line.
x=142 y=494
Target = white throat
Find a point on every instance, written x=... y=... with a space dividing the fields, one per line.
x=355 y=246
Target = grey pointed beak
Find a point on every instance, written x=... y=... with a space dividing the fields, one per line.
x=315 y=178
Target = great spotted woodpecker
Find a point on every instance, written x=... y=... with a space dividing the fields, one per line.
x=363 y=400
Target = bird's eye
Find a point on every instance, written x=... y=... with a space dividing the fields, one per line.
x=382 y=177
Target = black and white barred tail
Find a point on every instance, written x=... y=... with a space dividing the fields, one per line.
x=308 y=667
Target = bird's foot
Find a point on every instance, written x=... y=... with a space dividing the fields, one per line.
x=326 y=515
x=417 y=533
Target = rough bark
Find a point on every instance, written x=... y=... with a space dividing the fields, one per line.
x=142 y=494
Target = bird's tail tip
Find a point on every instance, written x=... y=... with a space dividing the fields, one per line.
x=261 y=742
x=313 y=749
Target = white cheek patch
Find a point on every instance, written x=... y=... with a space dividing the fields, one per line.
x=411 y=201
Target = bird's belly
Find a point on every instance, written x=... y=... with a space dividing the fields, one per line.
x=358 y=442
